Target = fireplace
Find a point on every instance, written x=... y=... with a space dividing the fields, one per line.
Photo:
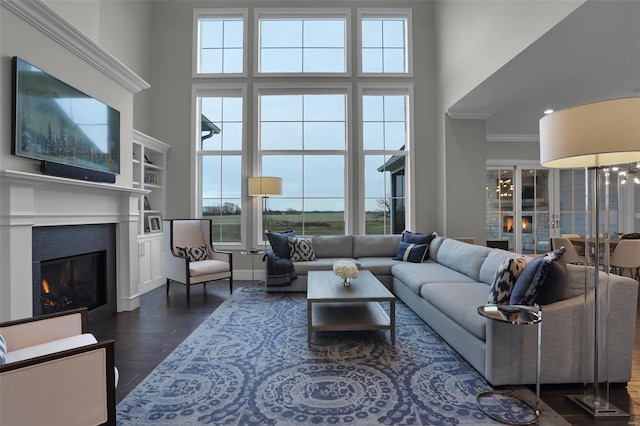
x=508 y=223
x=73 y=282
x=73 y=267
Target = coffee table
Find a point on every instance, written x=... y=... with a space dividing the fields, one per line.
x=333 y=307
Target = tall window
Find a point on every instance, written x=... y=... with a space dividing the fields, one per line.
x=303 y=139
x=220 y=41
x=302 y=42
x=385 y=42
x=220 y=161
x=384 y=141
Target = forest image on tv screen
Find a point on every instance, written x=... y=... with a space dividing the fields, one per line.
x=56 y=122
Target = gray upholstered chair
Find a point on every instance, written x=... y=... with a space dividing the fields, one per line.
x=56 y=373
x=571 y=254
x=626 y=256
x=190 y=257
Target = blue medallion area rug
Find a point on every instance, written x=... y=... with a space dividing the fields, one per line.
x=249 y=364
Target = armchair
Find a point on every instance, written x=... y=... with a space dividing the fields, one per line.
x=56 y=373
x=191 y=258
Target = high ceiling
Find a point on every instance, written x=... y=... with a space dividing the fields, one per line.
x=593 y=54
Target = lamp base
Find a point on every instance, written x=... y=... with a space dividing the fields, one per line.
x=598 y=408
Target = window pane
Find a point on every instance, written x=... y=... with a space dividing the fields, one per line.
x=373 y=108
x=323 y=60
x=323 y=177
x=211 y=176
x=281 y=136
x=394 y=135
x=210 y=33
x=394 y=108
x=378 y=217
x=371 y=33
x=233 y=33
x=393 y=33
x=232 y=60
x=289 y=168
x=231 y=136
x=324 y=107
x=324 y=33
x=232 y=109
x=281 y=108
x=319 y=135
x=211 y=61
x=285 y=214
x=394 y=60
x=373 y=135
x=280 y=60
x=376 y=185
x=372 y=60
x=280 y=33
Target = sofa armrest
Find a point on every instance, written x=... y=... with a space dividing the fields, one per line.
x=74 y=387
x=26 y=332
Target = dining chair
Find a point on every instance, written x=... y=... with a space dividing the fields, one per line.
x=626 y=256
x=571 y=255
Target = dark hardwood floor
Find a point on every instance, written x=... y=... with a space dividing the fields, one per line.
x=144 y=337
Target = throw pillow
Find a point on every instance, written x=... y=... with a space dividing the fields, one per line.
x=415 y=253
x=193 y=253
x=543 y=280
x=415 y=238
x=301 y=249
x=279 y=244
x=505 y=279
x=3 y=350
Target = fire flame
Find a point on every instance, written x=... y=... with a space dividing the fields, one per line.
x=45 y=286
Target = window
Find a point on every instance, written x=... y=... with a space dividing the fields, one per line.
x=220 y=36
x=385 y=42
x=303 y=42
x=385 y=135
x=219 y=157
x=303 y=139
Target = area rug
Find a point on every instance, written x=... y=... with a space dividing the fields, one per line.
x=249 y=364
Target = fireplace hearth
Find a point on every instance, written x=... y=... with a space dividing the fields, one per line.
x=73 y=267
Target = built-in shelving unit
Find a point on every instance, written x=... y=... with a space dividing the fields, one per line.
x=150 y=173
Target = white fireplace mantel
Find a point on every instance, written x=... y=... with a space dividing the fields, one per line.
x=28 y=200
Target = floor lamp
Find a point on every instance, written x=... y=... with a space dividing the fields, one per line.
x=594 y=136
x=265 y=186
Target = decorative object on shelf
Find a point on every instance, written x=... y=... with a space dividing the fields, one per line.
x=595 y=136
x=146 y=159
x=152 y=178
x=155 y=224
x=265 y=186
x=346 y=270
x=147 y=205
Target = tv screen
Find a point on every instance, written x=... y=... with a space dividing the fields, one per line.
x=56 y=123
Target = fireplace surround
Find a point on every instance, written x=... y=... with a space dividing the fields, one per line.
x=29 y=201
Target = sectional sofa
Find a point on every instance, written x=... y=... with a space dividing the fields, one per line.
x=446 y=290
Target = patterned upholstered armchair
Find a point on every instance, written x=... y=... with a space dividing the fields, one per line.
x=191 y=258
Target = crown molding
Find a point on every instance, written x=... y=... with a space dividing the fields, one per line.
x=494 y=137
x=150 y=141
x=44 y=18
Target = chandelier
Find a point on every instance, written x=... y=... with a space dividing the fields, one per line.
x=630 y=171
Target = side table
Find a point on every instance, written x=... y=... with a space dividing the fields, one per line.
x=516 y=315
x=252 y=253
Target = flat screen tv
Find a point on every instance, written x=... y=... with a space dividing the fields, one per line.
x=72 y=133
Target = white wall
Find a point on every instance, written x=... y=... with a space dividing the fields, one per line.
x=513 y=150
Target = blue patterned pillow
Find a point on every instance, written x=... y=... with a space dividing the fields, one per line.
x=415 y=253
x=505 y=279
x=193 y=253
x=3 y=350
x=300 y=249
x=543 y=280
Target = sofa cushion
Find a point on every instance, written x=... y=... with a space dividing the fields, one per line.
x=415 y=275
x=194 y=254
x=301 y=249
x=320 y=264
x=543 y=280
x=279 y=244
x=463 y=257
x=51 y=347
x=492 y=263
x=207 y=267
x=3 y=350
x=505 y=279
x=459 y=301
x=434 y=247
x=375 y=245
x=415 y=253
x=377 y=265
x=415 y=238
x=333 y=246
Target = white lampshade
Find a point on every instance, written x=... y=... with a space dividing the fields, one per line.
x=591 y=135
x=265 y=186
